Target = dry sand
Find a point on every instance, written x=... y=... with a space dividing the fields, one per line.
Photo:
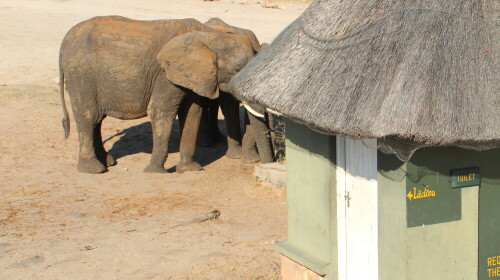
x=56 y=223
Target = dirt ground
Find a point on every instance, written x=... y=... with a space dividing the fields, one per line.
x=56 y=223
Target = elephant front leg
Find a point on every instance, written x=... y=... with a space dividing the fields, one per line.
x=190 y=117
x=231 y=109
x=161 y=123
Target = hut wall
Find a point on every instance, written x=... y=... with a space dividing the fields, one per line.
x=332 y=204
x=489 y=215
x=452 y=234
x=401 y=221
x=392 y=218
x=311 y=189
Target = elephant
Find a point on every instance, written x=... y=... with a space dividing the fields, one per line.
x=237 y=147
x=259 y=121
x=127 y=69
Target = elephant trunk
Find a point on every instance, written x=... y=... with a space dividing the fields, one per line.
x=262 y=138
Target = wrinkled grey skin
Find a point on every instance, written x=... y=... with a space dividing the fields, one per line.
x=127 y=69
x=237 y=147
x=260 y=127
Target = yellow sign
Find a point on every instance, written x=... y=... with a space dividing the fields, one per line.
x=418 y=194
x=466 y=178
x=494 y=271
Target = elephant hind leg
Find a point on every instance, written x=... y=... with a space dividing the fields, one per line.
x=102 y=155
x=88 y=161
x=87 y=116
x=87 y=119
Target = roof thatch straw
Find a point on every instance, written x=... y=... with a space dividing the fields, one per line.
x=410 y=72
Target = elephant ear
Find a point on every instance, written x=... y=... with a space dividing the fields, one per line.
x=189 y=63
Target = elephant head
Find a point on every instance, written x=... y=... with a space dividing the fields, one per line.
x=220 y=25
x=205 y=62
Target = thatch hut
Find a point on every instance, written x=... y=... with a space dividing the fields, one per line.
x=392 y=108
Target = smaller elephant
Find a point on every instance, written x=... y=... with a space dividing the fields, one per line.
x=259 y=120
x=127 y=69
x=238 y=146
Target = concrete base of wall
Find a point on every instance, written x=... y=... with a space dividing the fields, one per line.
x=291 y=270
x=272 y=173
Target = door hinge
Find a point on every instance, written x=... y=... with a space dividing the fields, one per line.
x=348 y=198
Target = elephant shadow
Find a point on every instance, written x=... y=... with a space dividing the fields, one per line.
x=138 y=139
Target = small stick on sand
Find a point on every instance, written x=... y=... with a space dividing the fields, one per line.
x=270 y=7
x=212 y=215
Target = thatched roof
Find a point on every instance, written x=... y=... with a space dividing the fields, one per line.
x=412 y=72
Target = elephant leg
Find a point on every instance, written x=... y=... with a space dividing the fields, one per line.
x=231 y=109
x=161 y=124
x=262 y=138
x=101 y=153
x=213 y=123
x=87 y=118
x=209 y=132
x=203 y=138
x=189 y=117
x=162 y=109
x=250 y=154
x=88 y=161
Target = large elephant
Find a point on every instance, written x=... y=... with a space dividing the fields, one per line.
x=127 y=69
x=237 y=147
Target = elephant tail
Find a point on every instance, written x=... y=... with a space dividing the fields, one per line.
x=65 y=120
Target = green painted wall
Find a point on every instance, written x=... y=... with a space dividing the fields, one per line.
x=460 y=228
x=489 y=214
x=454 y=234
x=392 y=217
x=311 y=200
x=447 y=245
x=444 y=204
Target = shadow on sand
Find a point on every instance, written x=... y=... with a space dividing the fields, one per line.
x=138 y=139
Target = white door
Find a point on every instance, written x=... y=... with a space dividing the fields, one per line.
x=357 y=208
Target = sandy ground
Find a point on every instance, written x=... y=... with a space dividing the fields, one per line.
x=56 y=223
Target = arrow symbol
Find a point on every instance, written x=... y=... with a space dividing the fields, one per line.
x=409 y=195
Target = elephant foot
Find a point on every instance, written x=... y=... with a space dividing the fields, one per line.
x=233 y=152
x=155 y=169
x=250 y=157
x=93 y=166
x=183 y=167
x=110 y=160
